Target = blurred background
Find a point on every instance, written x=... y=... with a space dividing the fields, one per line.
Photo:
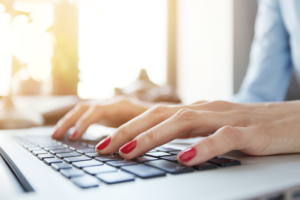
x=55 y=53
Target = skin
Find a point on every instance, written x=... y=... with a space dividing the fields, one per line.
x=255 y=129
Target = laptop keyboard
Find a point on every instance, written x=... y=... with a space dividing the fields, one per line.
x=79 y=162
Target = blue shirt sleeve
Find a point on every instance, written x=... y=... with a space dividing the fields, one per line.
x=270 y=67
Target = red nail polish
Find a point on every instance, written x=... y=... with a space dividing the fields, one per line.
x=104 y=143
x=187 y=154
x=127 y=148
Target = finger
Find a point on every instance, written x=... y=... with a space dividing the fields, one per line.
x=224 y=140
x=199 y=102
x=192 y=136
x=147 y=120
x=68 y=121
x=112 y=122
x=92 y=115
x=136 y=126
x=96 y=113
x=183 y=122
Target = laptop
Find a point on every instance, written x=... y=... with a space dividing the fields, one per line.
x=34 y=166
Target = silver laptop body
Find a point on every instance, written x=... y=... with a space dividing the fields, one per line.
x=270 y=177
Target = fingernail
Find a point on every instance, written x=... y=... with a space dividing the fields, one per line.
x=56 y=128
x=104 y=143
x=187 y=154
x=127 y=148
x=73 y=135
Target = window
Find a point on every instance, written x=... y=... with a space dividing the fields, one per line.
x=5 y=51
x=25 y=36
x=117 y=38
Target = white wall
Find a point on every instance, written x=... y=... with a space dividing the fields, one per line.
x=205 y=49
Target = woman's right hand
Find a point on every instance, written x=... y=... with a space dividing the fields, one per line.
x=112 y=113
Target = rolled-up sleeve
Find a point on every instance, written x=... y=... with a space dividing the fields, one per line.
x=270 y=66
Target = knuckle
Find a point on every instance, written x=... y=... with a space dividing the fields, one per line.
x=65 y=121
x=159 y=109
x=186 y=114
x=124 y=131
x=198 y=102
x=220 y=103
x=96 y=107
x=81 y=105
x=83 y=121
x=240 y=112
x=121 y=100
x=231 y=133
x=261 y=127
x=149 y=135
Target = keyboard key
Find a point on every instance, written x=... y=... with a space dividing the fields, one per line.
x=42 y=143
x=205 y=166
x=29 y=145
x=67 y=155
x=175 y=152
x=75 y=146
x=143 y=171
x=224 y=162
x=59 y=151
x=43 y=156
x=76 y=159
x=107 y=158
x=158 y=154
x=165 y=149
x=39 y=152
x=49 y=146
x=83 y=144
x=59 y=166
x=72 y=144
x=153 y=150
x=54 y=148
x=86 y=151
x=34 y=149
x=120 y=163
x=49 y=161
x=171 y=167
x=85 y=181
x=87 y=164
x=115 y=177
x=58 y=142
x=91 y=146
x=144 y=159
x=69 y=173
x=99 y=169
x=170 y=158
x=92 y=155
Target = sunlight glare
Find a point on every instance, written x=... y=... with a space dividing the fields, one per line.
x=117 y=38
x=5 y=53
x=31 y=43
x=2 y=8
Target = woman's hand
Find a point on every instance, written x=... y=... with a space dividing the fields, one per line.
x=112 y=113
x=255 y=129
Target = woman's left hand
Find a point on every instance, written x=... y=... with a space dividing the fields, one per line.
x=255 y=129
